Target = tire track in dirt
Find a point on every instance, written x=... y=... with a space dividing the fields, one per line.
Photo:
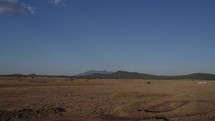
x=115 y=118
x=165 y=106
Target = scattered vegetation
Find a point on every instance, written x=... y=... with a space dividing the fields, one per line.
x=43 y=98
x=29 y=112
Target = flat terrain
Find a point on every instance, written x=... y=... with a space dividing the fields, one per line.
x=61 y=99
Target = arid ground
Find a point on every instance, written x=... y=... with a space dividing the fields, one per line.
x=62 y=99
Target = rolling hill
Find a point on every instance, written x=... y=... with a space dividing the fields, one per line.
x=122 y=75
x=136 y=75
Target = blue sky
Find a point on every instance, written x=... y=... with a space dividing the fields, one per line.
x=67 y=37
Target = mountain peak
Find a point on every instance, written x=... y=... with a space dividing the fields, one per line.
x=135 y=75
x=92 y=72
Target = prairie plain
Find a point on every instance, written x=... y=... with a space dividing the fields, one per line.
x=62 y=99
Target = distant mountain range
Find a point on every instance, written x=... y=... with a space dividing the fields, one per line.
x=136 y=75
x=94 y=74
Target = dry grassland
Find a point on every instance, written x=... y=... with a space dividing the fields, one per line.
x=60 y=99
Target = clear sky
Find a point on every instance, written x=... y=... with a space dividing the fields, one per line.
x=165 y=37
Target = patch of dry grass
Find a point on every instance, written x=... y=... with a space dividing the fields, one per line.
x=124 y=100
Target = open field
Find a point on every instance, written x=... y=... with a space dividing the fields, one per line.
x=60 y=99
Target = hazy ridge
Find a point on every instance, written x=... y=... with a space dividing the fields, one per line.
x=93 y=74
x=136 y=75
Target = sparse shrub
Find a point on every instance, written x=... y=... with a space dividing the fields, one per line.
x=148 y=82
x=71 y=79
x=19 y=78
